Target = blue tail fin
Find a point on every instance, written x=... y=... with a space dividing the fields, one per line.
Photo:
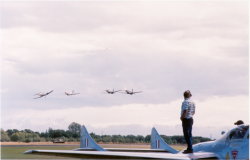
x=158 y=143
x=86 y=141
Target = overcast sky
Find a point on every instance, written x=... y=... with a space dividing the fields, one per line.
x=161 y=48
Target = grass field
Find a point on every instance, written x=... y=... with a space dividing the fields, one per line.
x=16 y=152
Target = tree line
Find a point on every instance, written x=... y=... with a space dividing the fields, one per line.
x=73 y=135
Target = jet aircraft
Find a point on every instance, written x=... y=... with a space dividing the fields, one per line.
x=40 y=95
x=131 y=92
x=111 y=91
x=232 y=145
x=71 y=94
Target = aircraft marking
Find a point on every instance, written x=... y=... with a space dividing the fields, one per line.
x=86 y=142
x=157 y=143
x=234 y=154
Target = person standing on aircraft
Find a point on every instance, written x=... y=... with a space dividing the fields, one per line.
x=187 y=112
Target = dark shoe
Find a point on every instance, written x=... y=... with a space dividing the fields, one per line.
x=187 y=151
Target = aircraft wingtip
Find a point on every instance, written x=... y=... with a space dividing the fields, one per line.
x=28 y=152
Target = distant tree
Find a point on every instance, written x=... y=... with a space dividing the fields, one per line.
x=18 y=137
x=178 y=139
x=97 y=138
x=130 y=139
x=4 y=136
x=140 y=139
x=147 y=139
x=106 y=138
x=44 y=134
x=15 y=130
x=28 y=131
x=11 y=131
x=56 y=133
x=73 y=134
x=118 y=139
x=75 y=129
x=32 y=137
x=167 y=139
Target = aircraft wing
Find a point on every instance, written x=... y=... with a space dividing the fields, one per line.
x=50 y=91
x=121 y=155
x=38 y=97
x=138 y=92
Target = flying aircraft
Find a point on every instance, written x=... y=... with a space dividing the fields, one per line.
x=40 y=95
x=232 y=145
x=131 y=92
x=71 y=94
x=111 y=91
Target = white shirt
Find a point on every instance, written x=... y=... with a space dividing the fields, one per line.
x=189 y=106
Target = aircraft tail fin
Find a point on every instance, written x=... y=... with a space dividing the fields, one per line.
x=86 y=141
x=158 y=143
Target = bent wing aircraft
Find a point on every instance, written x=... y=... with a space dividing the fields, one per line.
x=90 y=149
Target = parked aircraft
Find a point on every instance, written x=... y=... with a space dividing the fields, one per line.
x=40 y=95
x=71 y=94
x=232 y=145
x=111 y=91
x=131 y=92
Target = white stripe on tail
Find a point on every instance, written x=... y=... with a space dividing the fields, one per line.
x=86 y=141
x=158 y=143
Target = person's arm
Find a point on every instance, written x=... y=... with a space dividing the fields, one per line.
x=183 y=114
x=184 y=107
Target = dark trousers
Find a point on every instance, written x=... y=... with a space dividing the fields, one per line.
x=187 y=131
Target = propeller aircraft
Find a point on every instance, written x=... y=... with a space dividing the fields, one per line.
x=131 y=92
x=112 y=91
x=71 y=94
x=40 y=95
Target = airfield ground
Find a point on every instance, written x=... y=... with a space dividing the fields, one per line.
x=14 y=150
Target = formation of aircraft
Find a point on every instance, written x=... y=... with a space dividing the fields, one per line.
x=71 y=94
x=40 y=95
x=131 y=92
x=231 y=146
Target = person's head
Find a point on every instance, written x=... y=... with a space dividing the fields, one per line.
x=239 y=122
x=187 y=94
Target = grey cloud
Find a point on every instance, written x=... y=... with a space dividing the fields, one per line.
x=152 y=50
x=162 y=79
x=154 y=17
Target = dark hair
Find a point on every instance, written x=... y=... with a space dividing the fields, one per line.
x=239 y=122
x=187 y=94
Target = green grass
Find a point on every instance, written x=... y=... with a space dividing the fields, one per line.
x=17 y=152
